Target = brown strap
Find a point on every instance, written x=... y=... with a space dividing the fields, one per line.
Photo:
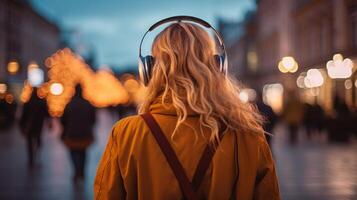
x=204 y=163
x=189 y=190
x=234 y=189
x=202 y=168
x=171 y=157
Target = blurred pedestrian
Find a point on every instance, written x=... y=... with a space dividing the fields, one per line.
x=293 y=113
x=7 y=112
x=78 y=120
x=191 y=110
x=4 y=112
x=8 y=106
x=341 y=124
x=314 y=118
x=33 y=115
x=270 y=117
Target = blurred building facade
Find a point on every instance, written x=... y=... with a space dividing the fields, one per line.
x=25 y=37
x=310 y=31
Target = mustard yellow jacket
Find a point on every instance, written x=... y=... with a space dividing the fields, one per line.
x=133 y=166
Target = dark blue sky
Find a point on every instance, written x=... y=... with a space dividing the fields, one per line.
x=114 y=27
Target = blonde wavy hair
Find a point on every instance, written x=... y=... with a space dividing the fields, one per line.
x=186 y=72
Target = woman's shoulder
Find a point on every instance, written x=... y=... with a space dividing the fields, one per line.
x=253 y=139
x=126 y=129
x=126 y=123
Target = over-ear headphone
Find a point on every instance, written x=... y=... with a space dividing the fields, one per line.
x=146 y=63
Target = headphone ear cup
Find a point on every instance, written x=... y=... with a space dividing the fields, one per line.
x=149 y=64
x=224 y=64
x=145 y=68
x=221 y=62
x=142 y=71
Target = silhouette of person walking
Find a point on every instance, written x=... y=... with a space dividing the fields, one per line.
x=293 y=115
x=34 y=113
x=270 y=117
x=314 y=117
x=341 y=125
x=77 y=121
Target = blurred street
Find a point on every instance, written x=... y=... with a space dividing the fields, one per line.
x=51 y=178
x=309 y=170
x=315 y=169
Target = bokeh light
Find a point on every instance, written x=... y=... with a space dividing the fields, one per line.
x=337 y=57
x=288 y=64
x=13 y=67
x=282 y=68
x=247 y=95
x=35 y=76
x=56 y=89
x=136 y=90
x=32 y=64
x=313 y=78
x=300 y=80
x=3 y=88
x=273 y=96
x=26 y=92
x=243 y=96
x=348 y=84
x=339 y=68
x=101 y=88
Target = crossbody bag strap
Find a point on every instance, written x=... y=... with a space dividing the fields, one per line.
x=171 y=157
x=234 y=189
x=189 y=190
x=205 y=162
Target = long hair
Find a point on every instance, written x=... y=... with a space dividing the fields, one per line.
x=186 y=72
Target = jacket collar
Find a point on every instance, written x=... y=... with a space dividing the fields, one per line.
x=157 y=107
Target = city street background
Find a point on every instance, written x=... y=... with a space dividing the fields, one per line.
x=311 y=170
x=296 y=61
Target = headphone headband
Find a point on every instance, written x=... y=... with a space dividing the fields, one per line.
x=146 y=63
x=184 y=18
x=180 y=18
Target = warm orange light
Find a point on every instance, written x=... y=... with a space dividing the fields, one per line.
x=136 y=90
x=42 y=91
x=102 y=89
x=13 y=67
x=273 y=96
x=32 y=65
x=26 y=92
x=131 y=85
